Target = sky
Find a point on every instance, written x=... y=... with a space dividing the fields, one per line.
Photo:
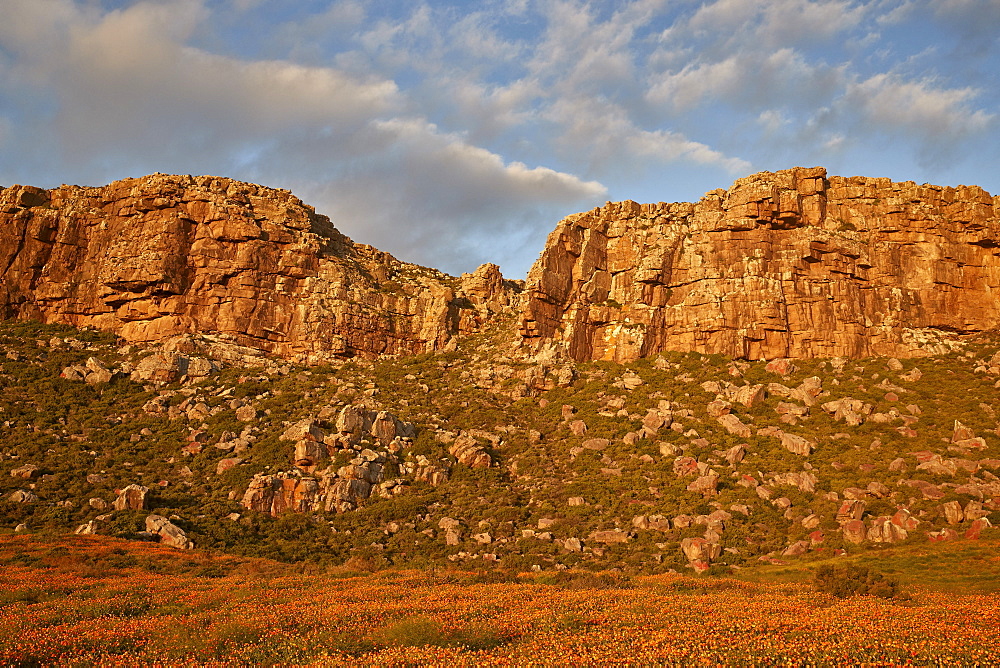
x=456 y=133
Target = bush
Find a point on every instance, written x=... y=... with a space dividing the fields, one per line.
x=423 y=631
x=853 y=580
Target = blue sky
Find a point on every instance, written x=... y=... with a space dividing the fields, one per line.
x=456 y=133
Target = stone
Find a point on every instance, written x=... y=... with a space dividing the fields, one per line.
x=276 y=493
x=23 y=496
x=718 y=408
x=796 y=549
x=595 y=443
x=699 y=549
x=166 y=367
x=246 y=413
x=168 y=533
x=469 y=452
x=782 y=367
x=961 y=433
x=685 y=466
x=749 y=395
x=953 y=512
x=26 y=471
x=735 y=454
x=705 y=485
x=789 y=264
x=850 y=511
x=734 y=426
x=885 y=530
x=854 y=532
x=903 y=519
x=578 y=427
x=572 y=545
x=796 y=444
x=132 y=497
x=976 y=528
x=609 y=536
x=226 y=464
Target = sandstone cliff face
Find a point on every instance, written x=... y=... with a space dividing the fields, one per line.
x=253 y=267
x=785 y=264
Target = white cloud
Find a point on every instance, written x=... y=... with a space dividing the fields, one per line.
x=433 y=198
x=776 y=23
x=939 y=114
x=752 y=80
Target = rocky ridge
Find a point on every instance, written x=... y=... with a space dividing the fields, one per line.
x=791 y=264
x=233 y=269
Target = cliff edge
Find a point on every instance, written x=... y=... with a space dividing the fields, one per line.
x=239 y=265
x=786 y=264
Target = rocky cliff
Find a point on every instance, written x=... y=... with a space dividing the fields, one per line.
x=241 y=266
x=786 y=264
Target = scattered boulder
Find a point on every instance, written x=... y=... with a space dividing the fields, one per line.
x=782 y=367
x=700 y=550
x=27 y=471
x=706 y=485
x=854 y=532
x=132 y=497
x=595 y=443
x=610 y=536
x=168 y=533
x=469 y=452
x=166 y=367
x=23 y=496
x=796 y=444
x=734 y=426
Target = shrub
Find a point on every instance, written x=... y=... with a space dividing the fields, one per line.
x=423 y=631
x=854 y=580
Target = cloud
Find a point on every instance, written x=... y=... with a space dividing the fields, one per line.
x=752 y=80
x=898 y=105
x=773 y=24
x=456 y=206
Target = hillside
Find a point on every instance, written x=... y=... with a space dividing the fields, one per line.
x=219 y=368
x=673 y=462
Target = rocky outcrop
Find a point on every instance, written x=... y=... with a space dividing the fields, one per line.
x=239 y=266
x=792 y=264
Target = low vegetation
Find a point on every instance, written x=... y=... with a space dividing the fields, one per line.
x=96 y=600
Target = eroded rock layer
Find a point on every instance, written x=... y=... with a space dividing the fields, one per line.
x=243 y=265
x=785 y=264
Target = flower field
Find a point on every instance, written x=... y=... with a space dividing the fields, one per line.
x=89 y=600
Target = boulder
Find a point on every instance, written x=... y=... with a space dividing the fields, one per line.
x=26 y=471
x=132 y=497
x=734 y=426
x=699 y=549
x=854 y=532
x=609 y=536
x=23 y=496
x=169 y=533
x=469 y=452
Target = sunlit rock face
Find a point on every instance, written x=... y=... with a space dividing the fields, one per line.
x=241 y=265
x=786 y=264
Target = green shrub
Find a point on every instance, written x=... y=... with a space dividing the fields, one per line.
x=854 y=580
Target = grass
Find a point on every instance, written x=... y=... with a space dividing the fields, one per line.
x=956 y=567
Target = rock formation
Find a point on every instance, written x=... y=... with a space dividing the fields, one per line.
x=792 y=264
x=241 y=265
